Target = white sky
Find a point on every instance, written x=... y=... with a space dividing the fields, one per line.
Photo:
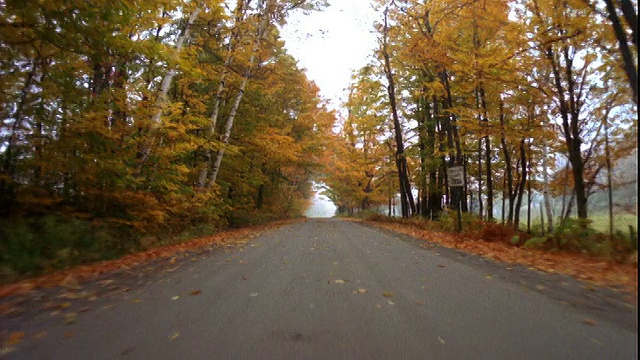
x=332 y=43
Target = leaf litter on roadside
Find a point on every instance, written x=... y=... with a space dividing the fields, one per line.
x=72 y=278
x=599 y=272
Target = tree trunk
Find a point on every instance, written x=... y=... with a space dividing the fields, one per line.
x=575 y=147
x=507 y=160
x=564 y=191
x=609 y=181
x=215 y=111
x=480 y=202
x=521 y=185
x=161 y=99
x=465 y=161
x=261 y=31
x=570 y=126
x=406 y=198
x=569 y=206
x=487 y=156
x=423 y=133
x=529 y=171
x=504 y=195
x=627 y=55
x=458 y=201
x=8 y=170
x=545 y=187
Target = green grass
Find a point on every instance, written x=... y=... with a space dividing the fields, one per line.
x=621 y=222
x=600 y=222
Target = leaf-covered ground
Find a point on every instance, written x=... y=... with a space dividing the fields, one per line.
x=602 y=272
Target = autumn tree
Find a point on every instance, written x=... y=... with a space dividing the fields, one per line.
x=105 y=111
x=356 y=173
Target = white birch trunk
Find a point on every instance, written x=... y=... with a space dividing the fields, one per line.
x=262 y=27
x=213 y=119
x=545 y=189
x=161 y=100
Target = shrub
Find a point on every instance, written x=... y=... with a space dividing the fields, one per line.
x=577 y=235
x=536 y=242
x=377 y=217
x=31 y=246
x=496 y=232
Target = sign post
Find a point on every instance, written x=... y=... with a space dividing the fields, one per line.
x=455 y=175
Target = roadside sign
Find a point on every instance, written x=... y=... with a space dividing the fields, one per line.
x=456 y=176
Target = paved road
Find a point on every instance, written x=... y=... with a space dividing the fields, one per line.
x=331 y=289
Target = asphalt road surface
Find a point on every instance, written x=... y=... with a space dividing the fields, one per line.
x=327 y=289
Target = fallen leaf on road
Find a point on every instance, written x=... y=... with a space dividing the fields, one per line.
x=107 y=307
x=7 y=308
x=244 y=277
x=136 y=300
x=390 y=302
x=253 y=294
x=387 y=294
x=441 y=340
x=70 y=318
x=40 y=335
x=489 y=277
x=174 y=336
x=6 y=350
x=84 y=309
x=69 y=334
x=339 y=281
x=68 y=295
x=441 y=266
x=175 y=298
x=362 y=291
x=173 y=260
x=419 y=302
x=540 y=287
x=596 y=341
x=70 y=282
x=195 y=292
x=65 y=305
x=15 y=337
x=588 y=321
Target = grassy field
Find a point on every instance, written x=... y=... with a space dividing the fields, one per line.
x=620 y=222
x=600 y=222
